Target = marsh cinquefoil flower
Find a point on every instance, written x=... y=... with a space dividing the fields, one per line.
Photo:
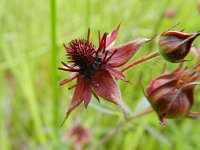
x=172 y=95
x=81 y=135
x=94 y=68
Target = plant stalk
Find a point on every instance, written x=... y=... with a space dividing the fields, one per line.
x=141 y=60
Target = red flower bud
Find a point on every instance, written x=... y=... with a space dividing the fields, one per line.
x=171 y=13
x=171 y=95
x=175 y=45
x=81 y=135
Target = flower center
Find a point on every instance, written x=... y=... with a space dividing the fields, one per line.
x=179 y=83
x=81 y=52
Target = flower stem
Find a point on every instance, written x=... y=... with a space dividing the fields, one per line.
x=145 y=112
x=141 y=60
x=54 y=74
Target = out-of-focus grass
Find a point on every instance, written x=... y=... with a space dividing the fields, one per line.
x=31 y=103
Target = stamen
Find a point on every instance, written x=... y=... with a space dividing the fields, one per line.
x=105 y=56
x=80 y=52
x=65 y=46
x=110 y=57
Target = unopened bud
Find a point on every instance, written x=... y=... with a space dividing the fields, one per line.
x=175 y=45
x=171 y=95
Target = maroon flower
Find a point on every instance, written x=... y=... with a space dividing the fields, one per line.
x=94 y=68
x=172 y=95
x=80 y=134
x=171 y=13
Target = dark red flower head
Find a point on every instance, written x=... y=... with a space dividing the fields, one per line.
x=81 y=135
x=172 y=95
x=94 y=68
x=80 y=52
x=171 y=13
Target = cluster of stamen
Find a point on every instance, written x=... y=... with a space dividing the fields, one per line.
x=80 y=52
x=85 y=58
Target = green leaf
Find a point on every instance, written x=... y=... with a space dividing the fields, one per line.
x=158 y=135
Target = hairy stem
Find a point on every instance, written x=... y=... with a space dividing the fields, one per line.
x=141 y=60
x=54 y=74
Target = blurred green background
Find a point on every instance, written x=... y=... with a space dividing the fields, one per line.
x=32 y=104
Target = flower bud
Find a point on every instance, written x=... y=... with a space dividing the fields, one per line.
x=80 y=134
x=171 y=13
x=175 y=45
x=171 y=95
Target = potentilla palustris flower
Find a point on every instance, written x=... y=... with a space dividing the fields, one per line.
x=80 y=134
x=172 y=95
x=94 y=68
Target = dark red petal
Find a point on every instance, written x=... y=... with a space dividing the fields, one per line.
x=87 y=95
x=164 y=79
x=111 y=38
x=125 y=52
x=106 y=87
x=76 y=99
x=178 y=34
x=189 y=90
x=178 y=70
x=117 y=74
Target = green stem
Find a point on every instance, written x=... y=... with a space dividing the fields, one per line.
x=141 y=60
x=54 y=63
x=143 y=113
